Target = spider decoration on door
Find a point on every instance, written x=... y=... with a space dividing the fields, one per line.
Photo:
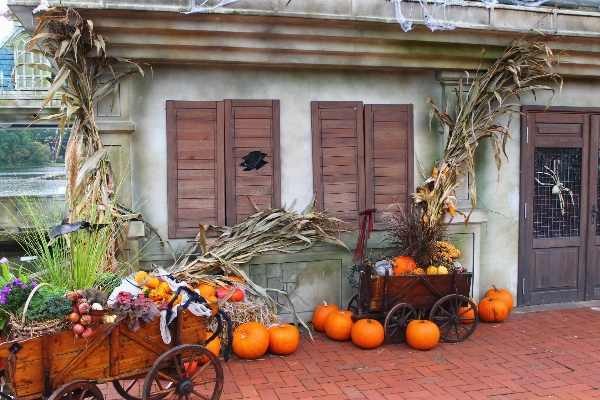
x=558 y=187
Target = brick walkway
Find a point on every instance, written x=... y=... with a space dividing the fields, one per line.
x=530 y=355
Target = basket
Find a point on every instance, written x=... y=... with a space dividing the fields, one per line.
x=21 y=330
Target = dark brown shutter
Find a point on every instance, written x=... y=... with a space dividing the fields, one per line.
x=338 y=158
x=388 y=157
x=196 y=191
x=251 y=125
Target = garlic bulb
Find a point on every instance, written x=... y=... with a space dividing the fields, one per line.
x=97 y=306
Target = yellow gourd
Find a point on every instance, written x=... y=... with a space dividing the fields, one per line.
x=442 y=270
x=432 y=270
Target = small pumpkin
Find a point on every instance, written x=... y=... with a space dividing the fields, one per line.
x=466 y=314
x=441 y=270
x=501 y=294
x=151 y=281
x=491 y=309
x=139 y=277
x=432 y=270
x=403 y=265
x=164 y=286
x=171 y=296
x=422 y=334
x=250 y=340
x=367 y=333
x=212 y=299
x=206 y=290
x=419 y=271
x=283 y=339
x=338 y=325
x=238 y=293
x=214 y=346
x=321 y=312
x=156 y=295
x=236 y=278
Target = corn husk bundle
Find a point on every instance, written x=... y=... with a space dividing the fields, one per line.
x=82 y=75
x=519 y=69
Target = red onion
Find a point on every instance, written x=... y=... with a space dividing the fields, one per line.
x=74 y=317
x=87 y=332
x=78 y=329
x=84 y=308
x=79 y=293
x=75 y=309
x=72 y=296
x=85 y=320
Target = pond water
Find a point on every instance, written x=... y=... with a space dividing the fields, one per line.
x=27 y=181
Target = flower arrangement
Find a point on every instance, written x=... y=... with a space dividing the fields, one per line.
x=14 y=295
x=446 y=255
x=134 y=309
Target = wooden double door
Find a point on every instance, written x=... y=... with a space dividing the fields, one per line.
x=559 y=245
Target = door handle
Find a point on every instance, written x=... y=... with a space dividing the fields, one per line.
x=595 y=209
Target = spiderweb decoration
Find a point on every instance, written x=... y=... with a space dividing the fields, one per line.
x=207 y=5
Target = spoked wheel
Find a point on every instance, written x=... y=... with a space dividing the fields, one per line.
x=132 y=388
x=396 y=320
x=77 y=390
x=456 y=316
x=353 y=304
x=180 y=374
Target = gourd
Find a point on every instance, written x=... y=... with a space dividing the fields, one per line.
x=367 y=333
x=338 y=325
x=283 y=339
x=419 y=271
x=432 y=270
x=441 y=270
x=403 y=265
x=422 y=334
x=491 y=309
x=503 y=295
x=140 y=276
x=151 y=281
x=250 y=340
x=321 y=312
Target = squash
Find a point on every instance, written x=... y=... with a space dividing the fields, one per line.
x=321 y=312
x=367 y=333
x=283 y=339
x=419 y=271
x=441 y=270
x=151 y=281
x=338 y=325
x=140 y=276
x=432 y=270
x=250 y=340
x=491 y=309
x=422 y=334
x=403 y=265
x=501 y=294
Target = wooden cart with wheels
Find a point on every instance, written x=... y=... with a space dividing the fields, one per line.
x=395 y=300
x=139 y=364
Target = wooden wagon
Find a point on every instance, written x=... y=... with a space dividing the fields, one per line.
x=398 y=299
x=139 y=364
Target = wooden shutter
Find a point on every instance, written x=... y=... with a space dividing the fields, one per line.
x=338 y=158
x=195 y=162
x=251 y=125
x=388 y=157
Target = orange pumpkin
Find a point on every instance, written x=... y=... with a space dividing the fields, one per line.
x=212 y=299
x=503 y=295
x=156 y=295
x=466 y=315
x=283 y=339
x=206 y=290
x=250 y=340
x=214 y=346
x=164 y=286
x=140 y=276
x=170 y=297
x=151 y=281
x=403 y=264
x=491 y=309
x=238 y=293
x=367 y=333
x=422 y=334
x=338 y=325
x=236 y=278
x=321 y=312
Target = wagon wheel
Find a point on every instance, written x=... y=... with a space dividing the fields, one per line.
x=396 y=320
x=179 y=373
x=79 y=390
x=353 y=304
x=446 y=314
x=132 y=388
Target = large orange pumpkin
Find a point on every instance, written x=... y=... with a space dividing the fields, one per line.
x=338 y=325
x=214 y=346
x=503 y=295
x=367 y=333
x=283 y=339
x=321 y=312
x=250 y=340
x=491 y=309
x=403 y=264
x=422 y=334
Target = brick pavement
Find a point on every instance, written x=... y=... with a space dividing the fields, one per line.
x=553 y=354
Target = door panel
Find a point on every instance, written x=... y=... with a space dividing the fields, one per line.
x=593 y=271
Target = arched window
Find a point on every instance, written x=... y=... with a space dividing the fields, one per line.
x=26 y=77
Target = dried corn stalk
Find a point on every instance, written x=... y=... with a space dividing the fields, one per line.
x=519 y=69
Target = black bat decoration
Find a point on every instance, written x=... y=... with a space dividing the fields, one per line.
x=254 y=160
x=65 y=228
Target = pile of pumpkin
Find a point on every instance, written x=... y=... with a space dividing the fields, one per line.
x=252 y=340
x=495 y=305
x=369 y=333
x=404 y=265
